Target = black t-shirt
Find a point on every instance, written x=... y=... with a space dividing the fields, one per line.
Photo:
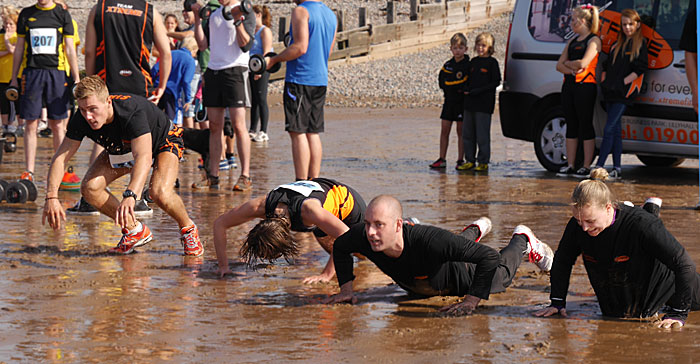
x=337 y=198
x=635 y=265
x=614 y=88
x=484 y=78
x=43 y=30
x=434 y=261
x=453 y=79
x=689 y=37
x=133 y=116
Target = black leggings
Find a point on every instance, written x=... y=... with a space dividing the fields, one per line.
x=511 y=257
x=578 y=101
x=258 y=105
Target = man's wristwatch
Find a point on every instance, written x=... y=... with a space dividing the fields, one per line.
x=129 y=193
x=239 y=21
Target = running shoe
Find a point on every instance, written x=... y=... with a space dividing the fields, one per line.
x=82 y=208
x=244 y=183
x=583 y=172
x=46 y=133
x=615 y=174
x=42 y=125
x=210 y=182
x=537 y=251
x=142 y=209
x=566 y=171
x=653 y=206
x=439 y=163
x=27 y=175
x=251 y=134
x=70 y=181
x=411 y=221
x=232 y=162
x=459 y=163
x=483 y=224
x=482 y=167
x=466 y=166
x=129 y=241
x=189 y=236
x=223 y=165
x=260 y=137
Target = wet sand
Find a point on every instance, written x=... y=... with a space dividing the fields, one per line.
x=62 y=299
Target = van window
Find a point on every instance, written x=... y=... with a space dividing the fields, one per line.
x=549 y=19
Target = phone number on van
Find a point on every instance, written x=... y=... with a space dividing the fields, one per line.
x=659 y=130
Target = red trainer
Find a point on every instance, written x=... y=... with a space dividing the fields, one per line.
x=130 y=241
x=27 y=175
x=189 y=236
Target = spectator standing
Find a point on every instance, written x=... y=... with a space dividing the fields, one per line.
x=226 y=84
x=578 y=93
x=181 y=73
x=452 y=80
x=44 y=32
x=312 y=34
x=171 y=26
x=480 y=99
x=258 y=83
x=8 y=39
x=623 y=74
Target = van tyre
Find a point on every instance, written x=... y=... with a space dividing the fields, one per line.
x=653 y=161
x=550 y=140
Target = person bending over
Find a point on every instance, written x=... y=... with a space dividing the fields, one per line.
x=135 y=135
x=322 y=206
x=430 y=261
x=634 y=264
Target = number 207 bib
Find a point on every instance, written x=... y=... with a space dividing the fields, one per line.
x=43 y=40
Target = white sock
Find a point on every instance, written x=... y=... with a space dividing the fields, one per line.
x=137 y=229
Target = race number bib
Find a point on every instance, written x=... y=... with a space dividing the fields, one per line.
x=303 y=187
x=43 y=40
x=121 y=160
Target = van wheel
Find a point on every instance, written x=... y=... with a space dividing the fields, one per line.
x=550 y=140
x=660 y=161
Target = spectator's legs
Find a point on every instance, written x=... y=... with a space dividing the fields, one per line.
x=445 y=137
x=58 y=131
x=216 y=130
x=301 y=155
x=316 y=154
x=30 y=131
x=460 y=142
x=242 y=138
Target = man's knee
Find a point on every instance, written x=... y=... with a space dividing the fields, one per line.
x=90 y=188
x=160 y=193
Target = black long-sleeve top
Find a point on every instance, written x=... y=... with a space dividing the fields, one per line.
x=433 y=262
x=614 y=88
x=484 y=78
x=452 y=79
x=635 y=266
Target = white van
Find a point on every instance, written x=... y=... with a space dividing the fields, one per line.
x=661 y=127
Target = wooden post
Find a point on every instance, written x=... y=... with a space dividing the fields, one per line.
x=390 y=12
x=413 y=15
x=362 y=17
x=282 y=29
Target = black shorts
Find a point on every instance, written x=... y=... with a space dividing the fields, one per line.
x=4 y=102
x=303 y=108
x=226 y=88
x=173 y=143
x=41 y=86
x=452 y=111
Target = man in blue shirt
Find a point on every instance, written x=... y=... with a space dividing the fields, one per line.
x=312 y=33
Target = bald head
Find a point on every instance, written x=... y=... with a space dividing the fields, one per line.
x=389 y=204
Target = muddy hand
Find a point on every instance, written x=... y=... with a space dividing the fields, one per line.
x=54 y=213
x=318 y=278
x=465 y=307
x=549 y=311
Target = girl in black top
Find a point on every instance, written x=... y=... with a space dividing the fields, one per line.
x=480 y=98
x=623 y=73
x=634 y=264
x=578 y=62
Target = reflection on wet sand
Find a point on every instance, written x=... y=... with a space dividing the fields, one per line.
x=62 y=299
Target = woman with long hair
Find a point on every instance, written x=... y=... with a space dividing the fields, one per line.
x=623 y=73
x=578 y=93
x=258 y=83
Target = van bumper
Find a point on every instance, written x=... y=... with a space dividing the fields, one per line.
x=517 y=117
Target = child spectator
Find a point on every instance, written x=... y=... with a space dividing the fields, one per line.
x=258 y=83
x=452 y=78
x=181 y=73
x=621 y=81
x=8 y=39
x=480 y=97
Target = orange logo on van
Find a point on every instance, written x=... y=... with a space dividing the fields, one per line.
x=660 y=53
x=621 y=258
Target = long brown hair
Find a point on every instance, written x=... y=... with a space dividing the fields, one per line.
x=270 y=239
x=266 y=16
x=637 y=39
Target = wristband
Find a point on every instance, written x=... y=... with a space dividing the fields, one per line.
x=50 y=198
